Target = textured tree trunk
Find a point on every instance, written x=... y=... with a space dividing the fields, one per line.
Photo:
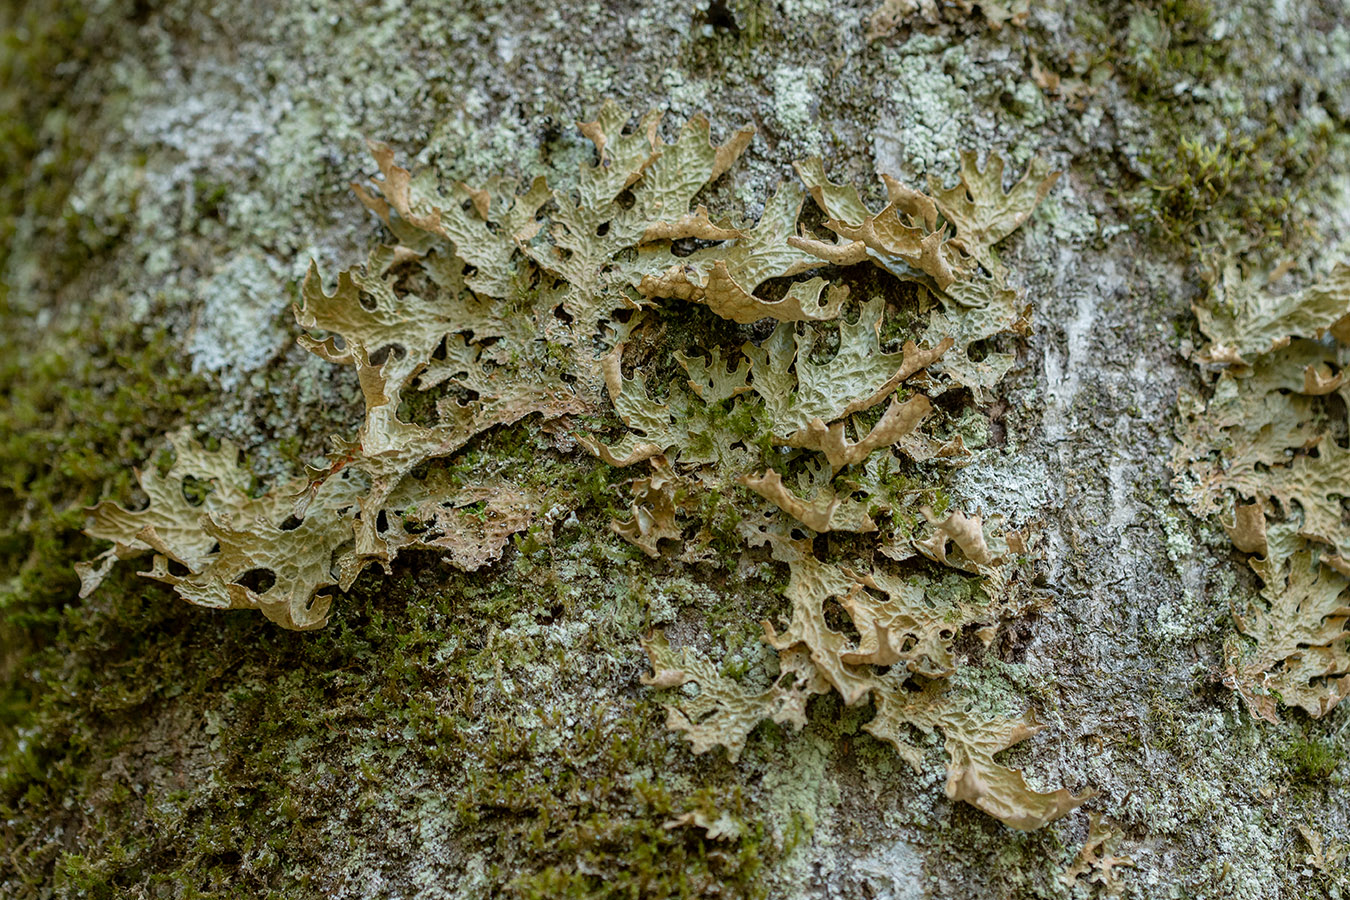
x=171 y=170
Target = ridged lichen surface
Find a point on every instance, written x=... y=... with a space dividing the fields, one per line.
x=740 y=448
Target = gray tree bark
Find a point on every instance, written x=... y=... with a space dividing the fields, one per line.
x=174 y=169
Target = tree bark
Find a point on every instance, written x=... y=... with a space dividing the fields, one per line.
x=176 y=167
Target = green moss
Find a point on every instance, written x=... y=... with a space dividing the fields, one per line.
x=612 y=839
x=81 y=405
x=1227 y=147
x=420 y=673
x=39 y=45
x=1311 y=758
x=1208 y=193
x=85 y=398
x=85 y=394
x=1169 y=43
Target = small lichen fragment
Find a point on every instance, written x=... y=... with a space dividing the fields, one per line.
x=657 y=500
x=1245 y=318
x=717 y=825
x=1302 y=654
x=299 y=559
x=909 y=239
x=898 y=421
x=903 y=626
x=971 y=742
x=902 y=238
x=170 y=523
x=983 y=213
x=470 y=525
x=823 y=510
x=811 y=584
x=796 y=391
x=1325 y=856
x=724 y=711
x=486 y=240
x=221 y=551
x=1097 y=858
x=650 y=430
x=726 y=277
x=712 y=380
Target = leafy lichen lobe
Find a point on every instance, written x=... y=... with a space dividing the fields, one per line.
x=490 y=307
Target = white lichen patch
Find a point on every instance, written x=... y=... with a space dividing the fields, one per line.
x=1017 y=485
x=893 y=871
x=238 y=329
x=795 y=105
x=927 y=110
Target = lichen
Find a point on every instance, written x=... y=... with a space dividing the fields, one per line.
x=1263 y=450
x=495 y=306
x=212 y=136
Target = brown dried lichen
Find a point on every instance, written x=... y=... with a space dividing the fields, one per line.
x=1097 y=858
x=490 y=307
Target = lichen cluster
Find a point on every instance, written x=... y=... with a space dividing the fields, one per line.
x=785 y=412
x=1265 y=450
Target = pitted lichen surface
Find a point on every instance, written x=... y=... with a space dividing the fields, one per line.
x=499 y=306
x=1265 y=451
x=478 y=727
